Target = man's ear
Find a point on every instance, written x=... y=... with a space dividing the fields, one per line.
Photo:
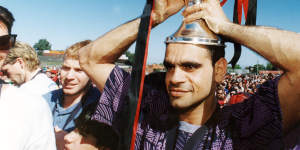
x=220 y=69
x=21 y=62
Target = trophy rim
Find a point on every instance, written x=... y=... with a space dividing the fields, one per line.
x=194 y=40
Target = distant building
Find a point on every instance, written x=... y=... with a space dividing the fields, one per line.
x=271 y=72
x=51 y=58
x=124 y=63
x=55 y=53
x=155 y=68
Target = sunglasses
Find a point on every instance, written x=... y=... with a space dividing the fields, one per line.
x=7 y=41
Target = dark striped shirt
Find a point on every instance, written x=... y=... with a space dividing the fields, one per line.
x=253 y=124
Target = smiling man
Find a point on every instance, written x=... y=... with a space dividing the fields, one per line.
x=77 y=92
x=183 y=112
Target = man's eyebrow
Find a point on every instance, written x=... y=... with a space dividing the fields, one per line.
x=190 y=63
x=185 y=63
x=167 y=63
x=65 y=65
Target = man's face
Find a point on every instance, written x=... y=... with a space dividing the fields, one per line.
x=75 y=141
x=73 y=79
x=233 y=93
x=220 y=95
x=15 y=71
x=189 y=77
x=48 y=73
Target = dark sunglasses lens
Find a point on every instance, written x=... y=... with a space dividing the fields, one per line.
x=4 y=42
x=7 y=42
x=12 y=40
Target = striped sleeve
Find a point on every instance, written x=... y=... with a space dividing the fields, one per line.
x=113 y=96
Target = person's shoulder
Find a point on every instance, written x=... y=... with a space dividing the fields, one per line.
x=118 y=79
x=9 y=88
x=24 y=98
x=47 y=81
x=155 y=84
x=41 y=84
x=266 y=96
x=10 y=92
x=258 y=116
x=44 y=77
x=156 y=79
x=267 y=93
x=94 y=89
x=119 y=72
x=53 y=96
x=37 y=101
x=93 y=94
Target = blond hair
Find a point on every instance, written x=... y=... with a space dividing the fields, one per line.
x=25 y=52
x=72 y=51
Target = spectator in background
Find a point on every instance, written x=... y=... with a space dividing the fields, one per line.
x=53 y=75
x=48 y=73
x=221 y=97
x=22 y=68
x=240 y=86
x=76 y=93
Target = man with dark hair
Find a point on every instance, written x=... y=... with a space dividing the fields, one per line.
x=26 y=121
x=7 y=18
x=184 y=114
x=7 y=40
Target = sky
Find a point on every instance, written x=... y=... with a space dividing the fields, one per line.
x=65 y=22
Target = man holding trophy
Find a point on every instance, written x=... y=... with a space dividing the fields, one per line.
x=182 y=112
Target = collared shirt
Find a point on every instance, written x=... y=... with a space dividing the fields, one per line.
x=254 y=124
x=40 y=84
x=61 y=115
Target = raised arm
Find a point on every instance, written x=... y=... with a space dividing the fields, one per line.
x=97 y=59
x=281 y=48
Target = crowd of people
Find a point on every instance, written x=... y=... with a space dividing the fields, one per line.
x=237 y=87
x=85 y=105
